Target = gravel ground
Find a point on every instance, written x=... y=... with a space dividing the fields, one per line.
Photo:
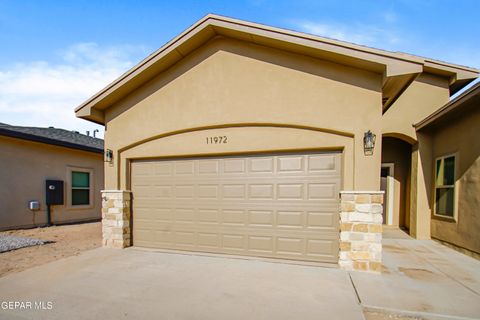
x=68 y=240
x=9 y=242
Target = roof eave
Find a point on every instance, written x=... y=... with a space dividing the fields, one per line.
x=34 y=138
x=459 y=76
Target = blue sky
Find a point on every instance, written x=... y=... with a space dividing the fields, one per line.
x=55 y=54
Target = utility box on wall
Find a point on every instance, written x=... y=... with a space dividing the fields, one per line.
x=54 y=192
x=34 y=205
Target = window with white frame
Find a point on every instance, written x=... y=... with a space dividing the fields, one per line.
x=445 y=186
x=80 y=187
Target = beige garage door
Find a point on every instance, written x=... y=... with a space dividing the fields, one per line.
x=279 y=206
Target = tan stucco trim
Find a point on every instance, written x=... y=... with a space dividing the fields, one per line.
x=400 y=136
x=389 y=64
x=163 y=147
x=236 y=125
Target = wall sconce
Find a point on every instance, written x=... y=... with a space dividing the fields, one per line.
x=368 y=143
x=108 y=155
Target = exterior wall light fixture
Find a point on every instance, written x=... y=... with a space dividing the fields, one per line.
x=108 y=155
x=369 y=142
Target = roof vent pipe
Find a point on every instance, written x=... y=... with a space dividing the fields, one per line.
x=94 y=132
x=88 y=133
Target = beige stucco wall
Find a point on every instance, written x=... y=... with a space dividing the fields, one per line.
x=425 y=94
x=460 y=137
x=25 y=166
x=262 y=99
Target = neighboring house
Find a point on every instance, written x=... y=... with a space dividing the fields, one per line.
x=29 y=156
x=453 y=143
x=241 y=138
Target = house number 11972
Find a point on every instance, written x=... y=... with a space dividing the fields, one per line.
x=217 y=140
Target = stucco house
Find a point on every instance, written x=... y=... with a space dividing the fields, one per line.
x=452 y=135
x=240 y=138
x=48 y=174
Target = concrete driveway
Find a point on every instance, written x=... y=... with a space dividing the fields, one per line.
x=421 y=280
x=140 y=284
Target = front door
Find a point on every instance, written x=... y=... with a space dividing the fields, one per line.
x=387 y=185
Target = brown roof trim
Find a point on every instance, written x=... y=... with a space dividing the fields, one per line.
x=30 y=137
x=449 y=107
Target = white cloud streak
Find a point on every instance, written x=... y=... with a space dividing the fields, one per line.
x=389 y=36
x=369 y=35
x=45 y=94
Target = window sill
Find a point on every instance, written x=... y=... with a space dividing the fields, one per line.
x=80 y=207
x=444 y=218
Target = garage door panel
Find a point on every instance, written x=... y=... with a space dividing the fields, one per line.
x=184 y=168
x=233 y=191
x=208 y=167
x=319 y=191
x=163 y=168
x=261 y=243
x=290 y=191
x=261 y=164
x=325 y=163
x=261 y=218
x=236 y=217
x=160 y=191
x=208 y=240
x=243 y=178
x=233 y=241
x=291 y=164
x=208 y=191
x=295 y=246
x=229 y=203
x=281 y=206
x=231 y=227
x=253 y=216
x=208 y=216
x=318 y=220
x=184 y=238
x=261 y=191
x=234 y=166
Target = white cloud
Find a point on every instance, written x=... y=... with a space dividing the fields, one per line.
x=45 y=94
x=369 y=35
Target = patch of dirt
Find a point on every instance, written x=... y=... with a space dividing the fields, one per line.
x=418 y=274
x=69 y=240
x=375 y=315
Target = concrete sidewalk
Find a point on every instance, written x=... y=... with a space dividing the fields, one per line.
x=421 y=279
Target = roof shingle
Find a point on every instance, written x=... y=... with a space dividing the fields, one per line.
x=55 y=136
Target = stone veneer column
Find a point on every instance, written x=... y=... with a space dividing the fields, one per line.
x=361 y=230
x=116 y=218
